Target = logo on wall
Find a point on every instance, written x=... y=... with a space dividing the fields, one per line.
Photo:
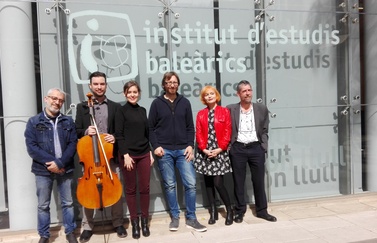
x=93 y=46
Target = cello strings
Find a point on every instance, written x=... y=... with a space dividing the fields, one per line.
x=102 y=148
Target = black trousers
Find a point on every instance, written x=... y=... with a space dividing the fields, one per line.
x=253 y=155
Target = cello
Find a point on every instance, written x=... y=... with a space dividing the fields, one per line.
x=99 y=187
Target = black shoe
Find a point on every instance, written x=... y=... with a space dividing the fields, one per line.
x=267 y=217
x=43 y=240
x=144 y=227
x=71 y=238
x=85 y=236
x=238 y=218
x=121 y=231
x=229 y=216
x=213 y=214
x=135 y=228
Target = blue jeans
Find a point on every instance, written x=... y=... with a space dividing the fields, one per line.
x=44 y=189
x=186 y=169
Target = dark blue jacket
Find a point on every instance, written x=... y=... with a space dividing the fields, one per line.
x=39 y=139
x=171 y=129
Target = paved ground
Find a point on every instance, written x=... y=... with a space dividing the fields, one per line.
x=350 y=218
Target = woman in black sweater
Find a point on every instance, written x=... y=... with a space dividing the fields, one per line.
x=132 y=136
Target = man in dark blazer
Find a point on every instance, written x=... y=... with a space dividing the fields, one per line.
x=249 y=144
x=104 y=110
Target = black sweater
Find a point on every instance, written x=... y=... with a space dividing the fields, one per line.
x=131 y=130
x=171 y=126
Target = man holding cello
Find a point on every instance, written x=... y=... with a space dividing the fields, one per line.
x=104 y=120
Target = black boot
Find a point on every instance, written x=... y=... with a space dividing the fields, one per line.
x=213 y=214
x=229 y=215
x=135 y=228
x=144 y=227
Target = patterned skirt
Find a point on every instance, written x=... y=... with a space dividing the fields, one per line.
x=219 y=165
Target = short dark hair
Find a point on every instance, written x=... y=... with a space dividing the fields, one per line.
x=97 y=74
x=243 y=82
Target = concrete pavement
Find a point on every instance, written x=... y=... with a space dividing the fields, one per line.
x=351 y=218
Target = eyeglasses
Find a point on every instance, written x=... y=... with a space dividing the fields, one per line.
x=172 y=83
x=56 y=99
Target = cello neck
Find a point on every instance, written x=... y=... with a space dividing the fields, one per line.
x=96 y=154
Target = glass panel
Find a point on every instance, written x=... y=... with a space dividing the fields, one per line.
x=301 y=64
x=368 y=94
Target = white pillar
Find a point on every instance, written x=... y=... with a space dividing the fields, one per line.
x=19 y=100
x=371 y=90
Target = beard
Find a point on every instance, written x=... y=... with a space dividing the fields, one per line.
x=53 y=111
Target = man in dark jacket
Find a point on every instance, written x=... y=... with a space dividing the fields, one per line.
x=171 y=133
x=105 y=110
x=51 y=142
x=249 y=144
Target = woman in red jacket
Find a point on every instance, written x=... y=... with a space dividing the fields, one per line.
x=213 y=131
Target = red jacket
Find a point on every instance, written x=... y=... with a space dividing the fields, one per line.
x=223 y=127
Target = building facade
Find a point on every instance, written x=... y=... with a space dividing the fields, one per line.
x=311 y=62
